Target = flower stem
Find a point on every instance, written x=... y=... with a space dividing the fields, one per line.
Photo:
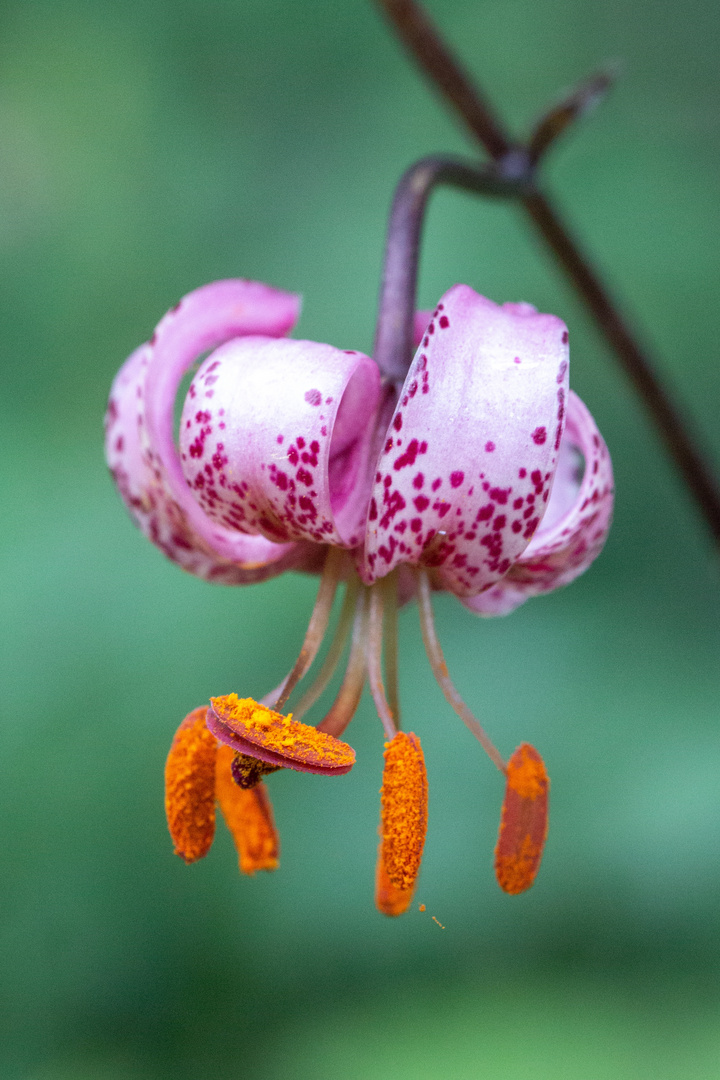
x=394 y=335
x=434 y=57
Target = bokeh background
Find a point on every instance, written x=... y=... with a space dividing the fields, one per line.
x=150 y=146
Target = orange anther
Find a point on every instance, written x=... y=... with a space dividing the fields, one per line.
x=388 y=898
x=524 y=821
x=249 y=817
x=257 y=731
x=190 y=787
x=404 y=809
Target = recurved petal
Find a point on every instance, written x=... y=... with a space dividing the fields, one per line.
x=464 y=478
x=575 y=526
x=276 y=438
x=140 y=448
x=421 y=321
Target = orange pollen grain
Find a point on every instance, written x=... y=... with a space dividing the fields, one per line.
x=281 y=734
x=190 y=787
x=249 y=817
x=404 y=809
x=524 y=821
x=389 y=899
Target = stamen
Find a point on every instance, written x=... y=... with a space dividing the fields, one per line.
x=388 y=585
x=259 y=732
x=389 y=899
x=190 y=787
x=404 y=809
x=524 y=821
x=335 y=651
x=374 y=661
x=249 y=817
x=440 y=671
x=348 y=697
x=316 y=628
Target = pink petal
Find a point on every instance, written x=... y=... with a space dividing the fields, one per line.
x=275 y=438
x=575 y=526
x=421 y=322
x=465 y=474
x=139 y=440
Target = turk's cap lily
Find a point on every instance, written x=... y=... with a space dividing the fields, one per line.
x=483 y=468
x=482 y=474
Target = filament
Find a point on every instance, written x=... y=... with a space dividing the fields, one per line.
x=390 y=642
x=440 y=671
x=348 y=696
x=374 y=661
x=334 y=653
x=315 y=632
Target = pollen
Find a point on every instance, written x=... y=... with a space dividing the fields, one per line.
x=247 y=726
x=248 y=771
x=190 y=787
x=249 y=817
x=524 y=821
x=389 y=899
x=404 y=810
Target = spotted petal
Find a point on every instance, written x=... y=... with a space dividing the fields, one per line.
x=464 y=478
x=139 y=432
x=276 y=437
x=575 y=526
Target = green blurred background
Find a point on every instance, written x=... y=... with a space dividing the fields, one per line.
x=147 y=147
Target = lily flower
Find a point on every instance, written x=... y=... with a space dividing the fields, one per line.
x=481 y=474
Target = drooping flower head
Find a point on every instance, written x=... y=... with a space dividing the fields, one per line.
x=482 y=475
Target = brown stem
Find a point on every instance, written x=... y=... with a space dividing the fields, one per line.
x=433 y=56
x=579 y=102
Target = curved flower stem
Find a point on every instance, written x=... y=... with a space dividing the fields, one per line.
x=393 y=349
x=316 y=629
x=374 y=662
x=440 y=671
x=334 y=653
x=348 y=697
x=433 y=56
